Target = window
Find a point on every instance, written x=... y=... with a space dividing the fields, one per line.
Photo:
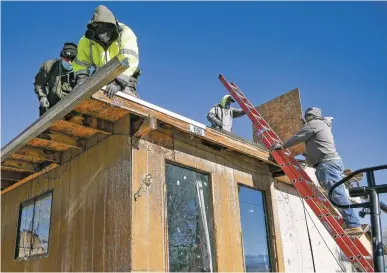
x=34 y=225
x=254 y=229
x=190 y=228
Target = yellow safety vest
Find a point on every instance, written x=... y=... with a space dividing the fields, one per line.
x=92 y=54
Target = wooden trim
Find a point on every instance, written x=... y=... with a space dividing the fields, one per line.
x=30 y=177
x=280 y=263
x=209 y=134
x=148 y=125
x=94 y=83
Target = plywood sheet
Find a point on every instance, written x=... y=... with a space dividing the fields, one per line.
x=283 y=114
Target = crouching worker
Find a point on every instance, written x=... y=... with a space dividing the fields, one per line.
x=55 y=78
x=104 y=39
x=222 y=114
x=322 y=155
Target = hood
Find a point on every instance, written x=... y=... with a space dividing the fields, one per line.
x=328 y=121
x=224 y=100
x=314 y=111
x=317 y=113
x=102 y=15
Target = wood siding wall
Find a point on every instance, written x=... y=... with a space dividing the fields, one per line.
x=150 y=238
x=97 y=225
x=90 y=220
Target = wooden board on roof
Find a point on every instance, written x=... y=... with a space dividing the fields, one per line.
x=283 y=114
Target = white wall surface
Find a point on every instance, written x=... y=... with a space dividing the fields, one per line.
x=294 y=235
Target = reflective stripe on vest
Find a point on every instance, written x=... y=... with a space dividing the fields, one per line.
x=129 y=52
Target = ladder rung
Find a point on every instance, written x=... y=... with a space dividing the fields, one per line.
x=352 y=248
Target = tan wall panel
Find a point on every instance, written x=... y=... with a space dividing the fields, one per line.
x=79 y=239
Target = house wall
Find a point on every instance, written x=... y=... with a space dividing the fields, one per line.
x=297 y=249
x=90 y=220
x=97 y=225
x=149 y=215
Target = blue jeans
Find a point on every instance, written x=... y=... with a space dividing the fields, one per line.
x=329 y=173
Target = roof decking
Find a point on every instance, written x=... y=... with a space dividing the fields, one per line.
x=87 y=113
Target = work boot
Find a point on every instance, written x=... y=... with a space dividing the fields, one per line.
x=354 y=231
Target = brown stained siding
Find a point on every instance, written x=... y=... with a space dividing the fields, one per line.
x=149 y=218
x=90 y=220
x=96 y=224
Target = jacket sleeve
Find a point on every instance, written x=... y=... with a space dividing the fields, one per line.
x=82 y=62
x=236 y=113
x=129 y=50
x=40 y=81
x=303 y=135
x=213 y=118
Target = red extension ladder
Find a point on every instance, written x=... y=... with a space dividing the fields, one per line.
x=353 y=249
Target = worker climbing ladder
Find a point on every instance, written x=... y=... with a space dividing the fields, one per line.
x=352 y=248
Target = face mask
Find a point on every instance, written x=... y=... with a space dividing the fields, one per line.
x=309 y=118
x=105 y=36
x=67 y=66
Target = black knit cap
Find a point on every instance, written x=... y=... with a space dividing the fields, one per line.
x=69 y=50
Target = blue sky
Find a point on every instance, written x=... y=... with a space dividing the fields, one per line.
x=335 y=52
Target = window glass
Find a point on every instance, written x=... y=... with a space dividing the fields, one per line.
x=41 y=226
x=34 y=225
x=190 y=229
x=25 y=230
x=254 y=230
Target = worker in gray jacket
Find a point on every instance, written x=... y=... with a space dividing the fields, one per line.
x=221 y=114
x=321 y=153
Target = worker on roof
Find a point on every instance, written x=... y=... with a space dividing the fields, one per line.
x=55 y=78
x=321 y=153
x=104 y=39
x=221 y=114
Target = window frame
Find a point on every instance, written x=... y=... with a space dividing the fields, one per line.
x=33 y=201
x=267 y=225
x=213 y=240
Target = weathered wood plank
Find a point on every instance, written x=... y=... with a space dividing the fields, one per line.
x=93 y=172
x=121 y=166
x=223 y=184
x=56 y=220
x=34 y=154
x=51 y=145
x=81 y=183
x=140 y=212
x=74 y=129
x=101 y=110
x=99 y=166
x=155 y=203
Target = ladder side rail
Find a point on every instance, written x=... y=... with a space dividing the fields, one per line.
x=300 y=179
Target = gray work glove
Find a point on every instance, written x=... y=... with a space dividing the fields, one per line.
x=43 y=101
x=112 y=88
x=80 y=79
x=276 y=146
